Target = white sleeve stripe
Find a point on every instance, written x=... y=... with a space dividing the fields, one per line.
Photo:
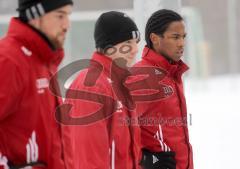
x=35 y=152
x=113 y=154
x=160 y=131
x=161 y=143
x=32 y=149
x=160 y=137
x=28 y=153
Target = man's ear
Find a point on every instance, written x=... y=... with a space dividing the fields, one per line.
x=35 y=23
x=154 y=39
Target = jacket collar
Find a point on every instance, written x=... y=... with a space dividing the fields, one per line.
x=175 y=69
x=34 y=42
x=110 y=68
x=105 y=61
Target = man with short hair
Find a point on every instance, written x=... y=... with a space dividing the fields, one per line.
x=29 y=55
x=165 y=139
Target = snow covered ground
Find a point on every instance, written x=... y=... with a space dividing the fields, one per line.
x=214 y=105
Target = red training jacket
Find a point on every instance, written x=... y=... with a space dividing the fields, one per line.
x=163 y=116
x=102 y=138
x=28 y=129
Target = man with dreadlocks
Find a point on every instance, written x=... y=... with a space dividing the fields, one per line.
x=165 y=138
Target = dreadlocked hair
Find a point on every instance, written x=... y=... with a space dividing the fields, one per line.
x=159 y=22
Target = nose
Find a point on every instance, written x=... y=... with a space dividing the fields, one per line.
x=181 y=43
x=66 y=23
x=134 y=48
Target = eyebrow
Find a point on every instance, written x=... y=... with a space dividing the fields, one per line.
x=177 y=34
x=63 y=12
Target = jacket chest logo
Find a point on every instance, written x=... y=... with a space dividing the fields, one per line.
x=119 y=107
x=26 y=51
x=42 y=84
x=157 y=72
x=168 y=90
